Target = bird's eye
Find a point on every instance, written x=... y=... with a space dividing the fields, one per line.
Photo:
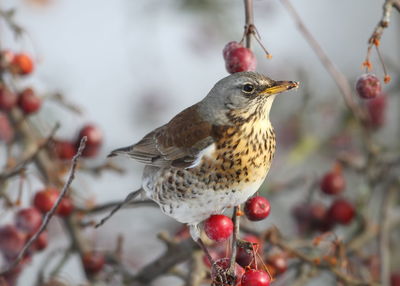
x=248 y=88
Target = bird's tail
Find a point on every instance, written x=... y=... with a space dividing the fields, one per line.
x=120 y=151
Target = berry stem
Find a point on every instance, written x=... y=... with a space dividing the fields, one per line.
x=249 y=18
x=235 y=235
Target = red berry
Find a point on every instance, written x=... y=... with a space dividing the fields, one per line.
x=368 y=86
x=65 y=207
x=93 y=262
x=45 y=199
x=319 y=217
x=239 y=60
x=218 y=227
x=22 y=64
x=257 y=208
x=42 y=241
x=28 y=220
x=229 y=47
x=8 y=99
x=376 y=109
x=395 y=279
x=333 y=183
x=94 y=140
x=220 y=274
x=341 y=211
x=247 y=257
x=254 y=277
x=64 y=150
x=29 y=102
x=12 y=240
x=277 y=263
x=6 y=130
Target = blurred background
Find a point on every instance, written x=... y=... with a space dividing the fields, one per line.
x=132 y=65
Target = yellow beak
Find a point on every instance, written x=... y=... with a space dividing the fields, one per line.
x=280 y=86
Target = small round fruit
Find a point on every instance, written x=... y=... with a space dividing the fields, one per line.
x=257 y=208
x=65 y=207
x=277 y=263
x=368 y=86
x=93 y=262
x=218 y=227
x=220 y=272
x=64 y=150
x=333 y=183
x=29 y=102
x=254 y=277
x=12 y=240
x=341 y=211
x=239 y=60
x=42 y=241
x=94 y=140
x=22 y=64
x=6 y=129
x=376 y=109
x=45 y=199
x=28 y=219
x=8 y=99
x=229 y=47
x=246 y=257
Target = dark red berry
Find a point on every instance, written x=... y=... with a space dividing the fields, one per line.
x=368 y=86
x=247 y=257
x=22 y=64
x=239 y=60
x=64 y=150
x=93 y=262
x=319 y=217
x=395 y=279
x=341 y=211
x=254 y=277
x=12 y=240
x=8 y=99
x=257 y=208
x=218 y=227
x=28 y=219
x=333 y=183
x=220 y=272
x=229 y=47
x=29 y=102
x=6 y=130
x=42 y=241
x=65 y=207
x=45 y=199
x=376 y=109
x=94 y=140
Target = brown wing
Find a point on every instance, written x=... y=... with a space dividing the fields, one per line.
x=177 y=143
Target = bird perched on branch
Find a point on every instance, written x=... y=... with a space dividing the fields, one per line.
x=214 y=154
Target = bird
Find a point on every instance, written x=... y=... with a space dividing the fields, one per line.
x=214 y=154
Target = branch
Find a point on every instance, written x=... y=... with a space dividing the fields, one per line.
x=50 y=213
x=338 y=77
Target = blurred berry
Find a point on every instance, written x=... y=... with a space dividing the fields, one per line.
x=65 y=207
x=22 y=64
x=376 y=109
x=28 y=219
x=64 y=150
x=8 y=99
x=12 y=240
x=28 y=101
x=277 y=263
x=6 y=129
x=93 y=262
x=395 y=279
x=94 y=140
x=341 y=211
x=368 y=86
x=45 y=199
x=333 y=183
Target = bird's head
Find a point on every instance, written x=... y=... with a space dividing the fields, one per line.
x=243 y=95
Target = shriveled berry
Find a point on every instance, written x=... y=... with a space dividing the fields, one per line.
x=45 y=199
x=220 y=272
x=229 y=47
x=8 y=99
x=22 y=64
x=12 y=240
x=6 y=130
x=368 y=86
x=28 y=219
x=376 y=109
x=218 y=227
x=257 y=208
x=29 y=102
x=247 y=257
x=341 y=211
x=65 y=207
x=333 y=183
x=239 y=60
x=93 y=262
x=94 y=140
x=64 y=150
x=254 y=277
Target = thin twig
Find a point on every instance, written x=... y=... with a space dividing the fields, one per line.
x=338 y=77
x=51 y=212
x=107 y=206
x=249 y=18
